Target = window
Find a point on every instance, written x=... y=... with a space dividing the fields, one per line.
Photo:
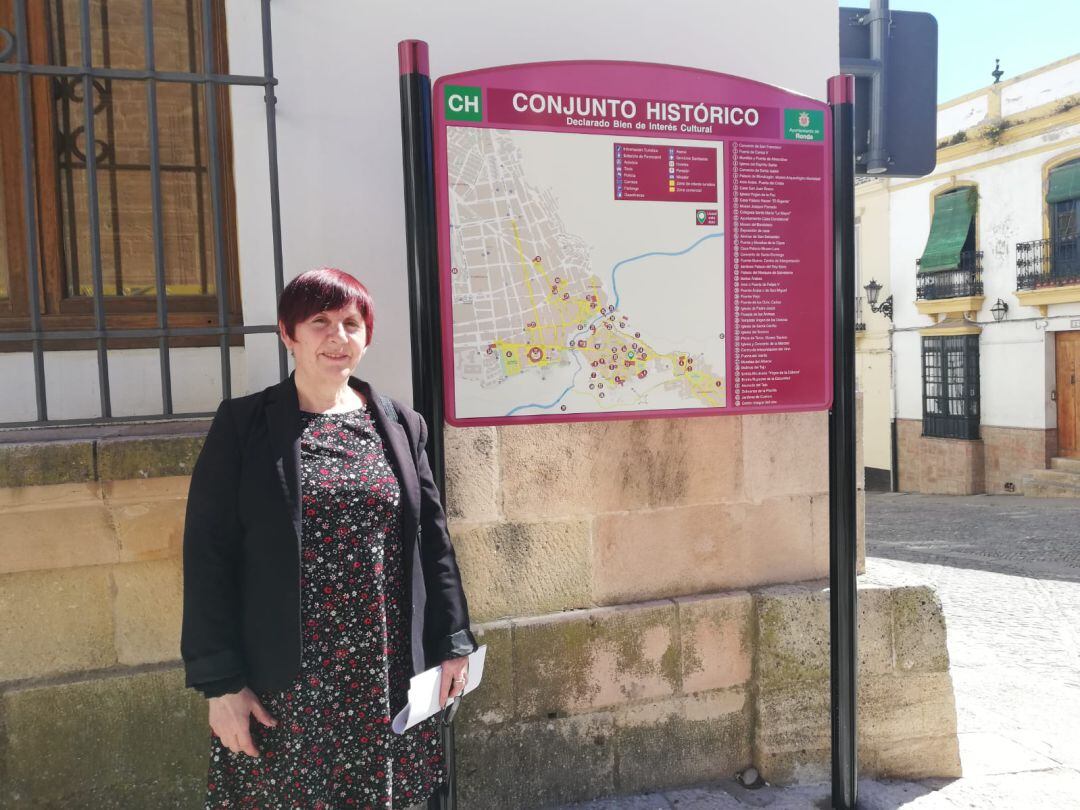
x=64 y=236
x=950 y=267
x=951 y=386
x=1063 y=199
x=952 y=232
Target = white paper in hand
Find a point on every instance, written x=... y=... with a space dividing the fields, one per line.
x=424 y=692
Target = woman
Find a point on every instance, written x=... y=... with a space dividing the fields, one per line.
x=319 y=577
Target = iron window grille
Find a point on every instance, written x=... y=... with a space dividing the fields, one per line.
x=83 y=93
x=1055 y=262
x=962 y=282
x=1048 y=263
x=950 y=369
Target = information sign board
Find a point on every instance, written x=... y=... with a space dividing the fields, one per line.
x=628 y=240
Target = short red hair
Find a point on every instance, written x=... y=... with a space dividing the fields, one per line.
x=322 y=290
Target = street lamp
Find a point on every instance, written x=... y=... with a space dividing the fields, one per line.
x=872 y=291
x=999 y=310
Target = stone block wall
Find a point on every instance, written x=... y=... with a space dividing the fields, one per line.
x=622 y=574
x=907 y=714
x=90 y=554
x=583 y=704
x=938 y=466
x=968 y=467
x=671 y=692
x=93 y=712
x=608 y=700
x=125 y=738
x=553 y=517
x=1012 y=452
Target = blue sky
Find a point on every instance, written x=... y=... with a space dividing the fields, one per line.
x=971 y=33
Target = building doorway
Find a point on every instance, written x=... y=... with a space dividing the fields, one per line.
x=1068 y=394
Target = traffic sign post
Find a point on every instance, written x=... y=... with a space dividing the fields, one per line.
x=893 y=57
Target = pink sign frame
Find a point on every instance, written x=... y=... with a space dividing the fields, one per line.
x=665 y=83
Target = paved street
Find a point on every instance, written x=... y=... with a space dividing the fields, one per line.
x=1007 y=570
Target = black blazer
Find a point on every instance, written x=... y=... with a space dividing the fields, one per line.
x=242 y=543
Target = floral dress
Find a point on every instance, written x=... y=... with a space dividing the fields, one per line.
x=333 y=747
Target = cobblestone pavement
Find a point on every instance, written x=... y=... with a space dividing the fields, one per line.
x=1007 y=570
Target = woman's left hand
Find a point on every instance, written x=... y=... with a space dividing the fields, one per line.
x=455 y=673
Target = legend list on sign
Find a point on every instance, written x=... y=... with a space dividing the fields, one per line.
x=775 y=259
x=665 y=173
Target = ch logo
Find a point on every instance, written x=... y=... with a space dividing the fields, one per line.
x=463 y=103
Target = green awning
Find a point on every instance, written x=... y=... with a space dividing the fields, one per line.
x=953 y=213
x=1064 y=183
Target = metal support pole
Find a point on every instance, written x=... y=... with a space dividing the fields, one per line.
x=93 y=212
x=211 y=97
x=877 y=156
x=26 y=130
x=155 y=199
x=275 y=194
x=424 y=321
x=843 y=595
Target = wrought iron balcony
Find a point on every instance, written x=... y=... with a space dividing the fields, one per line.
x=1047 y=263
x=962 y=282
x=860 y=324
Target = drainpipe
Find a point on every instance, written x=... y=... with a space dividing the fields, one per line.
x=895 y=448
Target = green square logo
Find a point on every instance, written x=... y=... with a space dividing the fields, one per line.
x=463 y=103
x=804 y=125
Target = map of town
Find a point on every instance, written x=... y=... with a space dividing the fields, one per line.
x=569 y=300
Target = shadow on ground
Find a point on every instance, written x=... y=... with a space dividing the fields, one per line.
x=1004 y=534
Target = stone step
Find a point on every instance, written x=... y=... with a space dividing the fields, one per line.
x=1051 y=484
x=1061 y=477
x=1065 y=464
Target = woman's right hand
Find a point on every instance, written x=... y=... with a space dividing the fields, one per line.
x=230 y=720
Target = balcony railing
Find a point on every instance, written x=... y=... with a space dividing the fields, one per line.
x=860 y=324
x=1047 y=263
x=963 y=282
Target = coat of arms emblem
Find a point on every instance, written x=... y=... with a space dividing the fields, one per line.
x=804 y=119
